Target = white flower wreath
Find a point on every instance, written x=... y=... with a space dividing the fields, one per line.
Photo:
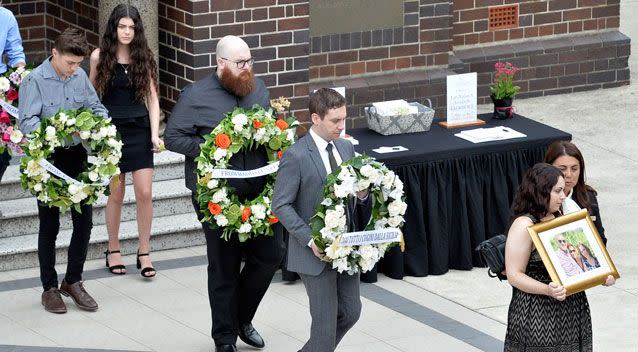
x=241 y=129
x=330 y=221
x=98 y=136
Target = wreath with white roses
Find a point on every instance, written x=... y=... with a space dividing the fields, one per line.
x=11 y=137
x=104 y=147
x=241 y=129
x=330 y=222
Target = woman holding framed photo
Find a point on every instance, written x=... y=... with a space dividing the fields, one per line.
x=541 y=317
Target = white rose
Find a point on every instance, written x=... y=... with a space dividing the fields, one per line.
x=78 y=197
x=367 y=170
x=327 y=234
x=245 y=228
x=113 y=159
x=37 y=187
x=342 y=191
x=219 y=154
x=4 y=84
x=212 y=184
x=395 y=221
x=388 y=179
x=93 y=176
x=219 y=196
x=16 y=136
x=259 y=211
x=239 y=120
x=260 y=134
x=114 y=143
x=74 y=189
x=397 y=193
x=290 y=135
x=341 y=264
x=62 y=117
x=111 y=131
x=50 y=133
x=221 y=220
x=335 y=218
x=266 y=200
x=380 y=224
x=70 y=122
x=85 y=134
x=397 y=207
x=363 y=184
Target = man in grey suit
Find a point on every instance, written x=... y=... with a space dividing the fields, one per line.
x=335 y=305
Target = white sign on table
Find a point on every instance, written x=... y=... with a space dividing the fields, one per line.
x=461 y=99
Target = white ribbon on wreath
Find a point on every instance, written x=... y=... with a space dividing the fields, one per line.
x=262 y=171
x=59 y=173
x=12 y=110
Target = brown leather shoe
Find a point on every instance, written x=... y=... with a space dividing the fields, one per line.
x=52 y=301
x=79 y=295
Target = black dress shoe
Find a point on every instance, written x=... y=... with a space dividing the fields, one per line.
x=225 y=348
x=250 y=336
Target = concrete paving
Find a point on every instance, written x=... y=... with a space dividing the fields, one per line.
x=458 y=311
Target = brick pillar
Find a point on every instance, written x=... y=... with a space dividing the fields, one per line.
x=277 y=32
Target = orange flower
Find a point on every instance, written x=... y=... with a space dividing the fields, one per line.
x=256 y=123
x=281 y=124
x=279 y=154
x=222 y=141
x=214 y=208
x=245 y=214
x=273 y=220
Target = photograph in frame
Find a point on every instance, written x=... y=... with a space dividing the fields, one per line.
x=573 y=252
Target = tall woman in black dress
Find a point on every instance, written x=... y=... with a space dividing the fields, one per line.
x=124 y=73
x=541 y=317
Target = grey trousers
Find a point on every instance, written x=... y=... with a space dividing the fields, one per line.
x=335 y=306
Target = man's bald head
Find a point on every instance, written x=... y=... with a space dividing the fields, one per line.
x=230 y=46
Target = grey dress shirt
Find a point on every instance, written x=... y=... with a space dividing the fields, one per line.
x=43 y=93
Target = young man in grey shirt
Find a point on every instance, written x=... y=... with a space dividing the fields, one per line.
x=58 y=84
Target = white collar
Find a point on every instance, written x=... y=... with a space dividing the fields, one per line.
x=320 y=142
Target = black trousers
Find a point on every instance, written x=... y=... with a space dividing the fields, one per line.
x=4 y=162
x=71 y=162
x=234 y=292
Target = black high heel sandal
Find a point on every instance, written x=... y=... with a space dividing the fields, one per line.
x=146 y=270
x=112 y=269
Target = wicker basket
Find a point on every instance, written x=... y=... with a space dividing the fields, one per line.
x=400 y=124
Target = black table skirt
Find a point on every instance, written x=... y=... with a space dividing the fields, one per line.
x=458 y=193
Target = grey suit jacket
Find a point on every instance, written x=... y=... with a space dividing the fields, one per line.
x=298 y=190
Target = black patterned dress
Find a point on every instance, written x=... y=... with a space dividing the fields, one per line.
x=538 y=323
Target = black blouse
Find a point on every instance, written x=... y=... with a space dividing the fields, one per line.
x=119 y=97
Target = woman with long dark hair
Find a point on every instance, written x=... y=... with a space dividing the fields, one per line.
x=541 y=317
x=566 y=157
x=124 y=74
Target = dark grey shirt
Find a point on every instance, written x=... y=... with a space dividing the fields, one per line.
x=43 y=93
x=200 y=108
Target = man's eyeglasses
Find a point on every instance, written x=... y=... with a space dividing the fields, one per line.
x=242 y=63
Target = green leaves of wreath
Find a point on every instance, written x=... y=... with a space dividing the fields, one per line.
x=240 y=130
x=103 y=145
x=329 y=222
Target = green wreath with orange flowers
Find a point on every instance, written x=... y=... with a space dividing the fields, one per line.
x=241 y=129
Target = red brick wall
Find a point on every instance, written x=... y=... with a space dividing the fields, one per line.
x=536 y=19
x=40 y=23
x=423 y=40
x=276 y=30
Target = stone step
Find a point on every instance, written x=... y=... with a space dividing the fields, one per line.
x=20 y=216
x=168 y=232
x=168 y=166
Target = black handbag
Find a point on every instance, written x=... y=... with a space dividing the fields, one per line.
x=492 y=253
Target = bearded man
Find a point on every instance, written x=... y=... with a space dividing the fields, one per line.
x=234 y=293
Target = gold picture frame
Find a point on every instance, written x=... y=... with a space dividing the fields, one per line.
x=561 y=241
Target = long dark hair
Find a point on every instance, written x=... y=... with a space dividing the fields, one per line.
x=564 y=148
x=533 y=194
x=142 y=66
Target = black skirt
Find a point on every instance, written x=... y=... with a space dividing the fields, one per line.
x=137 y=147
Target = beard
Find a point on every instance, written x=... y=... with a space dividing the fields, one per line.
x=240 y=85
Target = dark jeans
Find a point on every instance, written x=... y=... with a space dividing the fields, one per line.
x=4 y=162
x=234 y=292
x=71 y=162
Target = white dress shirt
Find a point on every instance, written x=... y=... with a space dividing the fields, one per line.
x=569 y=205
x=321 y=145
